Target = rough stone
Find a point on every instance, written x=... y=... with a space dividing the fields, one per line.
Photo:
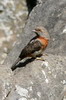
x=5 y=81
x=13 y=15
x=42 y=80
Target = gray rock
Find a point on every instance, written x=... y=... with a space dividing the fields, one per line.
x=5 y=81
x=13 y=15
x=42 y=80
x=51 y=14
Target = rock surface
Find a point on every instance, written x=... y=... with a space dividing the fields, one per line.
x=41 y=80
x=6 y=82
x=12 y=20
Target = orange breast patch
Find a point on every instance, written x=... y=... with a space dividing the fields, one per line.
x=43 y=41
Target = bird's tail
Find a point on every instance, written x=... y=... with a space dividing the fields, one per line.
x=14 y=65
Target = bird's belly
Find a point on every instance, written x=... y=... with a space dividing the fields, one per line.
x=37 y=53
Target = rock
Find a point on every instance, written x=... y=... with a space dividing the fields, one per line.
x=13 y=15
x=1 y=8
x=5 y=81
x=53 y=18
x=31 y=4
x=42 y=80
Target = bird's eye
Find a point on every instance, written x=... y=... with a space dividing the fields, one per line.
x=37 y=29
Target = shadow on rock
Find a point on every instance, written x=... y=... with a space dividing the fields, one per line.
x=23 y=64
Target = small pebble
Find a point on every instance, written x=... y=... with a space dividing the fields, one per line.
x=4 y=55
x=2 y=62
x=5 y=49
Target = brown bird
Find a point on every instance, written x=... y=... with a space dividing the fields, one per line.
x=36 y=45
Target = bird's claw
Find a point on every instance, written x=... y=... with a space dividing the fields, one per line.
x=42 y=59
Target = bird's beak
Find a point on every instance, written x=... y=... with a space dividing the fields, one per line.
x=33 y=30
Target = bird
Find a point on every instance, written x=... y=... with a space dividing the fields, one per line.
x=35 y=46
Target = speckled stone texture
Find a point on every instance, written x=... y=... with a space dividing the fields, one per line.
x=42 y=80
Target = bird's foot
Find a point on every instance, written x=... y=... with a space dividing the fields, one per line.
x=40 y=58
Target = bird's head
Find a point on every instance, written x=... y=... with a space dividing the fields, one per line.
x=41 y=31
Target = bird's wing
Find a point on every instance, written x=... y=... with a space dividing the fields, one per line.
x=32 y=46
